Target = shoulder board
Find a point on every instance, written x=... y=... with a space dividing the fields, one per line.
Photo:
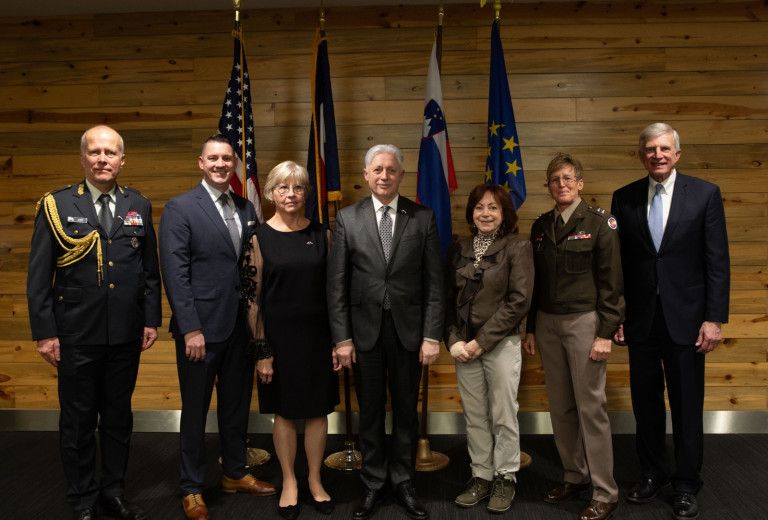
x=541 y=216
x=599 y=211
x=57 y=190
x=130 y=189
x=52 y=192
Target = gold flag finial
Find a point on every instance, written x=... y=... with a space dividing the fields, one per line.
x=236 y=5
x=322 y=18
x=496 y=7
x=440 y=13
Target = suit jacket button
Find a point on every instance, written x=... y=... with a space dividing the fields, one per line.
x=111 y=263
x=61 y=298
x=111 y=286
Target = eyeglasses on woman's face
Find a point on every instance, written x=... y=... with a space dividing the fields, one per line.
x=283 y=189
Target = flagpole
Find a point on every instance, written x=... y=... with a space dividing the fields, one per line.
x=239 y=35
x=349 y=459
x=525 y=459
x=426 y=459
x=254 y=456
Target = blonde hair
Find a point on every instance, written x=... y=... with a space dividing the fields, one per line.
x=281 y=173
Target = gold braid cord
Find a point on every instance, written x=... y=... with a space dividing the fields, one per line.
x=75 y=249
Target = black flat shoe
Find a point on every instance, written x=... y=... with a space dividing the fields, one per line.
x=325 y=507
x=289 y=512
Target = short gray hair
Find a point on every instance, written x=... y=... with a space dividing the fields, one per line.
x=657 y=129
x=384 y=148
x=281 y=173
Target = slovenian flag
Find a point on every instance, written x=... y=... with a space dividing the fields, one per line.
x=436 y=177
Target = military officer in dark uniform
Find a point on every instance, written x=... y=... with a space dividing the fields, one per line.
x=578 y=304
x=94 y=305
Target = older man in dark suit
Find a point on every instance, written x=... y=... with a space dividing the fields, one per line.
x=386 y=306
x=201 y=236
x=94 y=306
x=674 y=252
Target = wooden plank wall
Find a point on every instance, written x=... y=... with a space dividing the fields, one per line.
x=585 y=78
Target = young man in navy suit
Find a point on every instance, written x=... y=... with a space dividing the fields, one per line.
x=201 y=236
x=674 y=252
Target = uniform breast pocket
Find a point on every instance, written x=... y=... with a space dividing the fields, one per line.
x=136 y=232
x=77 y=229
x=578 y=256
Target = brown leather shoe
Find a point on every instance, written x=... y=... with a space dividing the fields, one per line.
x=599 y=510
x=247 y=484
x=565 y=492
x=194 y=507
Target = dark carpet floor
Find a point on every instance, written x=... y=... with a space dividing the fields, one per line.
x=32 y=485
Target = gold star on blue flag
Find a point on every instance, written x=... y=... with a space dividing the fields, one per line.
x=504 y=165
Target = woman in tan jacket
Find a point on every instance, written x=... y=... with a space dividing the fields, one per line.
x=489 y=288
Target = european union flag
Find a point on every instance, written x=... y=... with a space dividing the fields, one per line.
x=504 y=165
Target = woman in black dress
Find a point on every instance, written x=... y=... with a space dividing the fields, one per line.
x=285 y=266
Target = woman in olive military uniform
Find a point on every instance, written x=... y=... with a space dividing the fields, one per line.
x=578 y=304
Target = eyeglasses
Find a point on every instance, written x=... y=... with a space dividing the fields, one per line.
x=567 y=179
x=283 y=189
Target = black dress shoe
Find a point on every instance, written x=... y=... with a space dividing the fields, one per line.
x=89 y=513
x=407 y=497
x=685 y=506
x=645 y=490
x=119 y=507
x=325 y=507
x=367 y=505
x=289 y=512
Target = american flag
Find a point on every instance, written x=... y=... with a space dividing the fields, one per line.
x=236 y=122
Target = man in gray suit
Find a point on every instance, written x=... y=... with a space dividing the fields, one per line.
x=386 y=305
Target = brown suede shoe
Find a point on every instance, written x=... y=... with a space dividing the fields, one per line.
x=194 y=507
x=248 y=484
x=565 y=492
x=599 y=510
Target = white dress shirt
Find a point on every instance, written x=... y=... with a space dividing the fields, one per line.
x=215 y=194
x=392 y=211
x=667 y=187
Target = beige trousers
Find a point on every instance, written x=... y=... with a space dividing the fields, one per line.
x=488 y=389
x=577 y=404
